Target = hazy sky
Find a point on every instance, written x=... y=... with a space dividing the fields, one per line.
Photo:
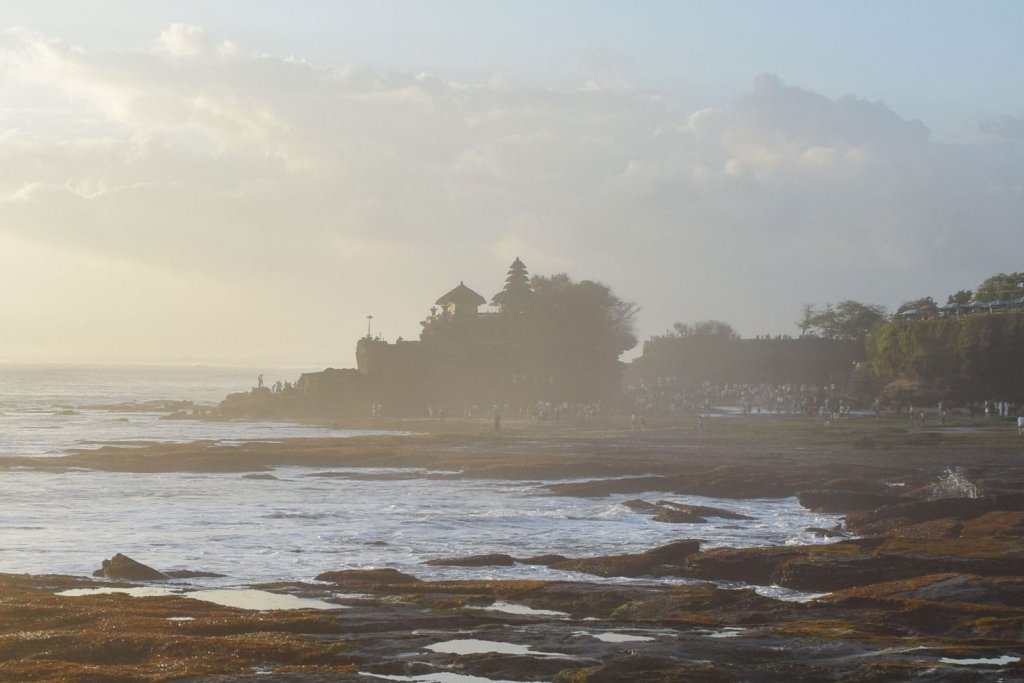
x=246 y=181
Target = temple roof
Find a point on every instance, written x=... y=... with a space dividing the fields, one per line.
x=461 y=296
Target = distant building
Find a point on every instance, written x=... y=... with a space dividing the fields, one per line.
x=464 y=360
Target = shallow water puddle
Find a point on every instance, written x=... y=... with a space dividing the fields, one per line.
x=512 y=608
x=727 y=632
x=612 y=637
x=781 y=593
x=258 y=600
x=981 y=661
x=247 y=598
x=441 y=677
x=472 y=646
x=135 y=592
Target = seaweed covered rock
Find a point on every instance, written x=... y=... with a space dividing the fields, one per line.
x=902 y=518
x=656 y=562
x=367 y=577
x=681 y=513
x=490 y=560
x=841 y=500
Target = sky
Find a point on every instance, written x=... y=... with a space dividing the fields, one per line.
x=243 y=182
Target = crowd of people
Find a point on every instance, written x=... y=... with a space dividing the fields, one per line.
x=668 y=396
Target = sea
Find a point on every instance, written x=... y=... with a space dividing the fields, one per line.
x=302 y=521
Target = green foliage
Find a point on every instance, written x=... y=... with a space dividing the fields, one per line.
x=975 y=357
x=1001 y=287
x=715 y=329
x=847 y=320
x=573 y=333
x=961 y=297
x=583 y=312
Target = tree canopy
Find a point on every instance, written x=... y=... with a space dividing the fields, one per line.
x=584 y=313
x=847 y=320
x=960 y=297
x=1001 y=287
x=705 y=328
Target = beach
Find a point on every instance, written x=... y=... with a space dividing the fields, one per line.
x=918 y=576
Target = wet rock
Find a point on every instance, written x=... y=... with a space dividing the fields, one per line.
x=839 y=566
x=664 y=513
x=826 y=533
x=704 y=510
x=994 y=524
x=650 y=563
x=749 y=565
x=367 y=577
x=834 y=500
x=123 y=567
x=605 y=487
x=893 y=519
x=260 y=477
x=1002 y=591
x=545 y=560
x=191 y=574
x=491 y=560
x=680 y=513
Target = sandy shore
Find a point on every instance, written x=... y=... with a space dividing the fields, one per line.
x=922 y=583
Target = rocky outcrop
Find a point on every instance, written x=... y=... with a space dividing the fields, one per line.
x=680 y=513
x=838 y=566
x=123 y=567
x=841 y=500
x=367 y=577
x=900 y=518
x=650 y=563
x=492 y=560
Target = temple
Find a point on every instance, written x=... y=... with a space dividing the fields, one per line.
x=464 y=358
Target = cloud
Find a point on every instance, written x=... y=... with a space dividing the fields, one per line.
x=327 y=192
x=181 y=40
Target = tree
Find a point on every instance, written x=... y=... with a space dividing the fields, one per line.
x=847 y=320
x=706 y=328
x=582 y=313
x=1001 y=287
x=960 y=298
x=572 y=333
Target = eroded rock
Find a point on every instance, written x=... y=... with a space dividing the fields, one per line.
x=123 y=567
x=650 y=563
x=491 y=560
x=367 y=577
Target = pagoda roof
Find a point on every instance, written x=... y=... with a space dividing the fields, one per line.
x=461 y=296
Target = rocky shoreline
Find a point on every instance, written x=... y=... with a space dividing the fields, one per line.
x=923 y=582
